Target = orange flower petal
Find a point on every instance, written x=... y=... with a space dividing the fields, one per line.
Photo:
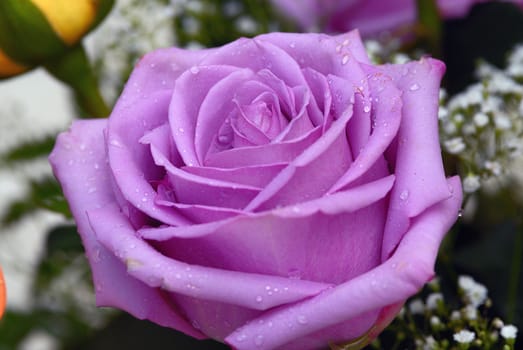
x=2 y=293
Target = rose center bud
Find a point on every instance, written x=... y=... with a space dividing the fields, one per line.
x=260 y=115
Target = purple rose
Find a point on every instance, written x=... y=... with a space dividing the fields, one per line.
x=277 y=192
x=369 y=16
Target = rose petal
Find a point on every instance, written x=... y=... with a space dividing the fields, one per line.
x=318 y=240
x=193 y=189
x=386 y=116
x=214 y=110
x=79 y=158
x=339 y=55
x=131 y=163
x=190 y=90
x=158 y=271
x=256 y=176
x=274 y=153
x=325 y=161
x=258 y=54
x=418 y=166
x=405 y=272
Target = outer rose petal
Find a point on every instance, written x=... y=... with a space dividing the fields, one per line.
x=405 y=272
x=79 y=157
x=418 y=165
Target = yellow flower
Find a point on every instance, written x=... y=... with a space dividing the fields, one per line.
x=70 y=20
x=37 y=32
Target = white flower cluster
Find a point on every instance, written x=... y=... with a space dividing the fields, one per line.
x=475 y=294
x=436 y=323
x=483 y=125
x=124 y=37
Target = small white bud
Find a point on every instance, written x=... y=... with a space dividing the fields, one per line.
x=464 y=336
x=481 y=119
x=455 y=145
x=509 y=331
x=471 y=183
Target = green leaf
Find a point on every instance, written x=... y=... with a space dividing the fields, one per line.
x=44 y=193
x=25 y=33
x=29 y=150
x=429 y=20
x=63 y=239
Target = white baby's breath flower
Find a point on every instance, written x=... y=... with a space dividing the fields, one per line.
x=475 y=293
x=498 y=323
x=471 y=183
x=470 y=312
x=455 y=145
x=464 y=336
x=430 y=343
x=481 y=119
x=509 y=331
x=416 y=307
x=435 y=321
x=455 y=315
x=433 y=300
x=494 y=167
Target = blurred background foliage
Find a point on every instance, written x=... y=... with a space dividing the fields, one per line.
x=486 y=243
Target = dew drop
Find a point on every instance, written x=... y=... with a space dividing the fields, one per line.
x=404 y=195
x=259 y=299
x=302 y=319
x=115 y=143
x=258 y=340
x=366 y=109
x=241 y=337
x=224 y=139
x=91 y=190
x=181 y=130
x=292 y=44
x=294 y=274
x=414 y=87
x=195 y=70
x=345 y=59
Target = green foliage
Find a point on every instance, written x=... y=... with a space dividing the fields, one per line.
x=215 y=23
x=29 y=150
x=44 y=193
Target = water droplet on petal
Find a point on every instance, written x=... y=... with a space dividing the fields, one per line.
x=241 y=337
x=115 y=143
x=414 y=87
x=366 y=109
x=259 y=299
x=345 y=59
x=258 y=340
x=302 y=319
x=404 y=195
x=195 y=70
x=294 y=274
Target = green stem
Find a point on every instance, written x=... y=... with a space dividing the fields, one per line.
x=74 y=69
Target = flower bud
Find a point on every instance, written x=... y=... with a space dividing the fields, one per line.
x=33 y=32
